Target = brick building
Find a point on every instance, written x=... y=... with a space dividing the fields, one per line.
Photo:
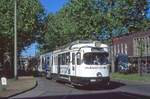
x=135 y=45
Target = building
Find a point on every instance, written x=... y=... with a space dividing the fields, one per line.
x=135 y=45
x=6 y=68
x=23 y=63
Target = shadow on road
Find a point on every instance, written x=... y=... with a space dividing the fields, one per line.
x=112 y=85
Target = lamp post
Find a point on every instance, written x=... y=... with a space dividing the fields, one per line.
x=15 y=39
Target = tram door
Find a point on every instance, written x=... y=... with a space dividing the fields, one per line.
x=73 y=64
x=59 y=61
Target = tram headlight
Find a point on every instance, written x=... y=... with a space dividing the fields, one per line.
x=99 y=74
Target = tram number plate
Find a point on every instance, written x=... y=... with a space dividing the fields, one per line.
x=93 y=80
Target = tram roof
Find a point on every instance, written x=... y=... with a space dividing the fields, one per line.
x=79 y=42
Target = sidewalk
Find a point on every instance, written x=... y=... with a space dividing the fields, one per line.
x=135 y=87
x=15 y=87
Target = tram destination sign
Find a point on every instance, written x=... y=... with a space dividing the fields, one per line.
x=96 y=49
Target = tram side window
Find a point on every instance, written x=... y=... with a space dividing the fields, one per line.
x=52 y=61
x=64 y=58
x=43 y=62
x=73 y=58
x=60 y=59
x=78 y=58
x=47 y=60
x=55 y=60
x=67 y=58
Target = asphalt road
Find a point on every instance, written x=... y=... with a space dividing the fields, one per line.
x=53 y=90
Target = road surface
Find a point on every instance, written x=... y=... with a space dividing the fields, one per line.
x=53 y=90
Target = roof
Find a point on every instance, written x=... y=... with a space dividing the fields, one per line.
x=79 y=44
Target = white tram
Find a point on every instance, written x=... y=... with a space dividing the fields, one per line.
x=80 y=63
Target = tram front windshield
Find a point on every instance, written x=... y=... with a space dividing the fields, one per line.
x=95 y=58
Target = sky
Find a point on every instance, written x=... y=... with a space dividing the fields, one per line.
x=51 y=6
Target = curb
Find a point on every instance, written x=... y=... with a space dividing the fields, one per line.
x=141 y=96
x=131 y=82
x=131 y=93
x=22 y=91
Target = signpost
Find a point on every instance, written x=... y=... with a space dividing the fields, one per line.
x=4 y=83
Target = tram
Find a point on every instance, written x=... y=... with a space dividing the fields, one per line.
x=79 y=63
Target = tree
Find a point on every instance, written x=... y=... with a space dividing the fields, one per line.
x=78 y=19
x=72 y=22
x=30 y=22
x=6 y=32
x=123 y=16
x=86 y=16
x=30 y=16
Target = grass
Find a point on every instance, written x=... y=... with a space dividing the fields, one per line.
x=130 y=77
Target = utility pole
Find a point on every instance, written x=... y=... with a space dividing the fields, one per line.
x=112 y=54
x=112 y=58
x=15 y=39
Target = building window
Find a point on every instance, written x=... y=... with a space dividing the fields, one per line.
x=126 y=49
x=122 y=48
x=141 y=46
x=146 y=46
x=135 y=47
x=149 y=45
x=114 y=50
x=137 y=44
x=118 y=49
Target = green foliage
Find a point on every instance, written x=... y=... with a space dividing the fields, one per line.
x=30 y=22
x=30 y=16
x=122 y=16
x=78 y=19
x=6 y=18
x=86 y=16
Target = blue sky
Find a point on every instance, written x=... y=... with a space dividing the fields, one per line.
x=51 y=6
x=31 y=50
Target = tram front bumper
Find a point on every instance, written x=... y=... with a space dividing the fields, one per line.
x=90 y=80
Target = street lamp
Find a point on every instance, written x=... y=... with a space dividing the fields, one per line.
x=15 y=39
